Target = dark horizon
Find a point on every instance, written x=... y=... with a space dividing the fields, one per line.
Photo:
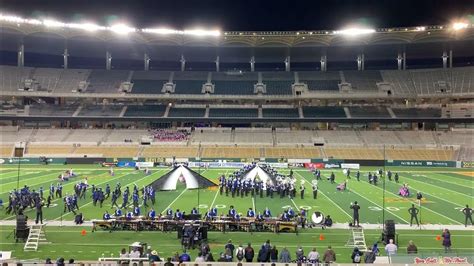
x=257 y=15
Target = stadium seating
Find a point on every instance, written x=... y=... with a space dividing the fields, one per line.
x=280 y=112
x=52 y=110
x=189 y=82
x=169 y=151
x=363 y=80
x=292 y=153
x=186 y=112
x=79 y=135
x=234 y=84
x=129 y=151
x=294 y=137
x=373 y=111
x=253 y=138
x=425 y=80
x=101 y=110
x=209 y=137
x=70 y=79
x=425 y=154
x=49 y=150
x=310 y=111
x=47 y=78
x=148 y=86
x=278 y=83
x=230 y=152
x=417 y=112
x=106 y=81
x=233 y=112
x=340 y=137
x=6 y=150
x=120 y=135
x=360 y=153
x=50 y=135
x=462 y=80
x=11 y=77
x=400 y=81
x=320 y=81
x=145 y=110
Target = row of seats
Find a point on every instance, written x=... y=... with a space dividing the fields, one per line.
x=422 y=82
x=273 y=112
x=236 y=152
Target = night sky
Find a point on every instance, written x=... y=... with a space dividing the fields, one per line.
x=241 y=15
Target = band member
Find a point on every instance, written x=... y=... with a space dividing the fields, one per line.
x=355 y=207
x=332 y=178
x=468 y=213
x=118 y=213
x=169 y=213
x=315 y=191
x=152 y=214
x=129 y=216
x=194 y=211
x=389 y=175
x=250 y=213
x=39 y=211
x=285 y=216
x=178 y=215
x=106 y=216
x=302 y=188
x=231 y=212
x=413 y=214
x=358 y=176
x=348 y=173
x=267 y=213
x=136 y=211
x=396 y=177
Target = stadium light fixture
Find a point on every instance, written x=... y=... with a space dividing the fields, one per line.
x=122 y=29
x=460 y=25
x=354 y=31
x=420 y=28
x=195 y=32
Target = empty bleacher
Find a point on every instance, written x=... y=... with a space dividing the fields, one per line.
x=320 y=81
x=52 y=110
x=186 y=112
x=253 y=138
x=420 y=154
x=400 y=80
x=340 y=137
x=11 y=77
x=48 y=78
x=278 y=83
x=230 y=152
x=425 y=80
x=351 y=153
x=6 y=150
x=106 y=81
x=280 y=112
x=101 y=110
x=462 y=80
x=417 y=112
x=149 y=82
x=212 y=136
x=304 y=137
x=293 y=153
x=49 y=150
x=363 y=80
x=70 y=79
x=234 y=84
x=233 y=112
x=128 y=151
x=145 y=110
x=169 y=151
x=189 y=82
x=315 y=111
x=372 y=111
x=119 y=136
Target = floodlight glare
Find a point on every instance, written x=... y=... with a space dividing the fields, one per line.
x=122 y=29
x=199 y=32
x=354 y=31
x=161 y=31
x=421 y=28
x=460 y=25
x=53 y=23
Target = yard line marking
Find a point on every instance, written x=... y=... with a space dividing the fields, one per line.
x=217 y=192
x=426 y=183
x=186 y=189
x=339 y=207
x=294 y=203
x=253 y=203
x=426 y=208
x=380 y=206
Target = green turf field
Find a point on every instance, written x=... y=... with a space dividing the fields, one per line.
x=446 y=191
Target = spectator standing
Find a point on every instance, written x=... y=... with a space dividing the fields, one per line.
x=329 y=256
x=262 y=254
x=285 y=256
x=123 y=253
x=200 y=258
x=446 y=240
x=299 y=254
x=313 y=256
x=231 y=247
x=249 y=253
x=239 y=253
x=412 y=249
x=391 y=248
x=274 y=254
x=153 y=257
x=168 y=262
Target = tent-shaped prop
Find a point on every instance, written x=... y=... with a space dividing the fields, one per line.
x=259 y=173
x=184 y=175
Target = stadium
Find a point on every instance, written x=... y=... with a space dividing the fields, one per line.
x=123 y=144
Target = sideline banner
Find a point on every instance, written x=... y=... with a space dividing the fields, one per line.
x=350 y=166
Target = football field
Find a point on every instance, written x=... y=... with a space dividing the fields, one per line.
x=446 y=191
